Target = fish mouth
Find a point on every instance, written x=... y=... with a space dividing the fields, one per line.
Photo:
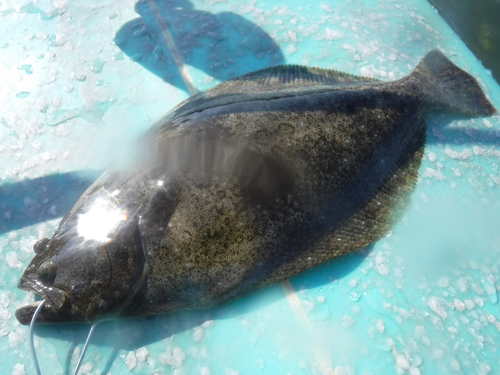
x=55 y=310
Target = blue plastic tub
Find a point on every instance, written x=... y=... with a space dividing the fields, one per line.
x=80 y=80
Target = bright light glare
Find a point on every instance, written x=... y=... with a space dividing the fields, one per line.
x=102 y=218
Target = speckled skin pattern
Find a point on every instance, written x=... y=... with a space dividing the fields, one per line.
x=246 y=185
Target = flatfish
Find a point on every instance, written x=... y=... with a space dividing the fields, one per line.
x=243 y=186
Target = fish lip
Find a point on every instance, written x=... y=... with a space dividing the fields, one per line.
x=54 y=296
x=57 y=302
x=25 y=313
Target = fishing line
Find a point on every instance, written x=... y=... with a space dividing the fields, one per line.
x=32 y=329
x=32 y=344
x=92 y=329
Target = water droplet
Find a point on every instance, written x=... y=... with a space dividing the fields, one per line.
x=118 y=56
x=416 y=360
x=92 y=113
x=22 y=94
x=141 y=32
x=42 y=15
x=50 y=40
x=5 y=45
x=96 y=65
x=54 y=42
x=26 y=68
x=354 y=296
x=99 y=82
x=81 y=77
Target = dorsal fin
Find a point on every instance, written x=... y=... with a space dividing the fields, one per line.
x=283 y=77
x=268 y=83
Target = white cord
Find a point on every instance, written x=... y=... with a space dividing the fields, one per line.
x=32 y=344
x=32 y=329
x=92 y=329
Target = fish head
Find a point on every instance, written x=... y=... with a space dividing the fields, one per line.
x=83 y=277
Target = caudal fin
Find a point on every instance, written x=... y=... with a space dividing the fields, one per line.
x=447 y=86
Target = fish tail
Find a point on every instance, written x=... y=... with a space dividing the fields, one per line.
x=446 y=86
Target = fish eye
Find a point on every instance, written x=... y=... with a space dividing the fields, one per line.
x=46 y=273
x=41 y=245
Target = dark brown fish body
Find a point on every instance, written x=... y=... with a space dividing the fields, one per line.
x=246 y=185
